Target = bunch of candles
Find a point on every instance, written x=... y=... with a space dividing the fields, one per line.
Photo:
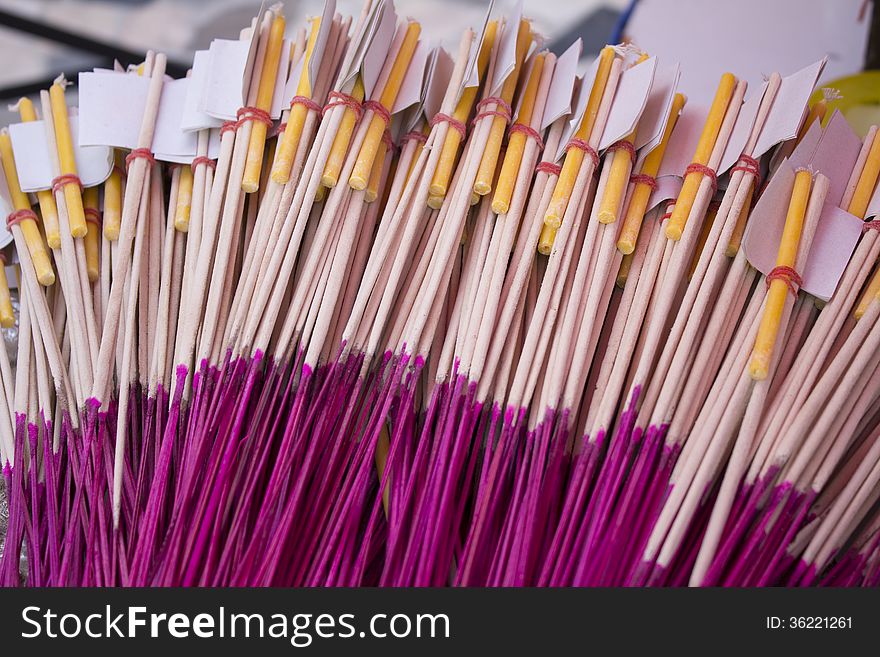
x=358 y=346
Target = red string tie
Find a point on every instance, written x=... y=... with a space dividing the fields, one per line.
x=279 y=130
x=665 y=216
x=379 y=110
x=748 y=164
x=871 y=225
x=92 y=216
x=624 y=145
x=582 y=145
x=229 y=126
x=454 y=123
x=386 y=139
x=306 y=102
x=548 y=168
x=788 y=275
x=203 y=159
x=66 y=179
x=418 y=135
x=335 y=99
x=696 y=167
x=502 y=109
x=15 y=218
x=529 y=132
x=250 y=113
x=142 y=153
x=644 y=179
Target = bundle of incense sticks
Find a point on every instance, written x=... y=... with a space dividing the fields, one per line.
x=343 y=308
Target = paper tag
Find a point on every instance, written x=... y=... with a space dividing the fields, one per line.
x=742 y=129
x=668 y=188
x=580 y=106
x=834 y=155
x=562 y=85
x=411 y=87
x=683 y=140
x=629 y=102
x=438 y=82
x=279 y=100
x=471 y=71
x=171 y=143
x=836 y=236
x=194 y=117
x=506 y=61
x=5 y=209
x=377 y=51
x=252 y=41
x=358 y=47
x=652 y=124
x=321 y=40
x=784 y=119
x=32 y=161
x=111 y=108
x=227 y=63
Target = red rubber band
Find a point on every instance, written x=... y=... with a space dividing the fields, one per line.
x=747 y=164
x=92 y=216
x=386 y=139
x=696 y=167
x=644 y=179
x=306 y=102
x=788 y=275
x=203 y=159
x=624 y=145
x=379 y=110
x=548 y=168
x=335 y=99
x=229 y=126
x=454 y=123
x=142 y=153
x=502 y=109
x=582 y=145
x=66 y=179
x=665 y=216
x=871 y=225
x=249 y=113
x=418 y=135
x=529 y=132
x=15 y=218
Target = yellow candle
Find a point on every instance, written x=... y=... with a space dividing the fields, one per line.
x=486 y=172
x=575 y=156
x=517 y=142
x=113 y=199
x=372 y=192
x=859 y=207
x=786 y=256
x=449 y=153
x=287 y=150
x=691 y=184
x=623 y=272
x=48 y=209
x=367 y=153
x=638 y=204
x=339 y=149
x=64 y=142
x=254 y=163
x=867 y=181
x=20 y=203
x=184 y=199
x=93 y=236
x=7 y=315
x=740 y=228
